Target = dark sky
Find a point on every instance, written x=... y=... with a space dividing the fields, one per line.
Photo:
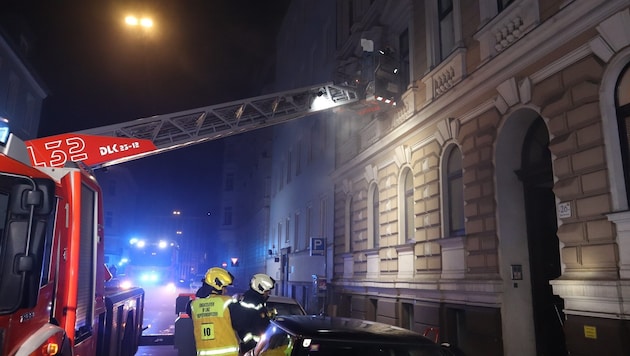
x=98 y=71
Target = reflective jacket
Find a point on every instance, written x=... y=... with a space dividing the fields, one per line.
x=212 y=326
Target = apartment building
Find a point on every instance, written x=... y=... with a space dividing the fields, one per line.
x=302 y=191
x=485 y=192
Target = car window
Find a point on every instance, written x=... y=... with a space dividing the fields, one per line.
x=286 y=308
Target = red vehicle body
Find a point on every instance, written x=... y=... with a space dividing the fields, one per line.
x=53 y=299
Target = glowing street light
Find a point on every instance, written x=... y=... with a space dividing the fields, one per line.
x=144 y=22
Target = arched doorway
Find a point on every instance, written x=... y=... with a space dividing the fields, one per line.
x=543 y=245
x=526 y=227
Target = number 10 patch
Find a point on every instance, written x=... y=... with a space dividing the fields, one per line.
x=207 y=331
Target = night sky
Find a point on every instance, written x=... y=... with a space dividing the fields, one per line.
x=98 y=71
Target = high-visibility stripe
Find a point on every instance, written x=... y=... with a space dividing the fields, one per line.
x=222 y=351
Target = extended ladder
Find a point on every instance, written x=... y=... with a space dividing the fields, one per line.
x=184 y=128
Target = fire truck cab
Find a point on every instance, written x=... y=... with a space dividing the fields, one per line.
x=52 y=272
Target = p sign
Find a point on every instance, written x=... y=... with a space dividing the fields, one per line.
x=318 y=246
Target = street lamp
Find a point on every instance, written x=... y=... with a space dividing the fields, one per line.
x=144 y=22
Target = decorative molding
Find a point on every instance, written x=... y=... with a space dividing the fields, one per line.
x=506 y=28
x=509 y=92
x=447 y=129
x=478 y=110
x=402 y=155
x=562 y=63
x=446 y=75
x=615 y=30
x=371 y=173
x=347 y=186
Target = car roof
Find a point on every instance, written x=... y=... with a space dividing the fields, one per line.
x=338 y=328
x=281 y=299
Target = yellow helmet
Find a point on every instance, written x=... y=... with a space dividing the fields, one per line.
x=218 y=278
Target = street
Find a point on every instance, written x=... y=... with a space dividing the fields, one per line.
x=159 y=319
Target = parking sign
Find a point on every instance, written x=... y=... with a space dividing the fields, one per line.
x=318 y=246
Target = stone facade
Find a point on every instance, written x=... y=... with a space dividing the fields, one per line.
x=526 y=95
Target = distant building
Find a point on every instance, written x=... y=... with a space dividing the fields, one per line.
x=302 y=190
x=21 y=92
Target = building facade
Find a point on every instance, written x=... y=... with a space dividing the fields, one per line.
x=491 y=202
x=21 y=92
x=302 y=191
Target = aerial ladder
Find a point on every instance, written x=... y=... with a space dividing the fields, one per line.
x=181 y=129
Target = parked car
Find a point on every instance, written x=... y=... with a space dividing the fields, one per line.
x=285 y=305
x=299 y=335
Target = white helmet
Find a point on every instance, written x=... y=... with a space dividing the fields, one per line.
x=262 y=283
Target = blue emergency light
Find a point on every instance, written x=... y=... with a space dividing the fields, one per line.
x=4 y=131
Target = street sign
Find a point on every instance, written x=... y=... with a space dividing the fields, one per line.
x=318 y=246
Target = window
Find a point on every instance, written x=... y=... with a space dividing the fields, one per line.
x=503 y=4
x=287 y=233
x=289 y=173
x=229 y=182
x=109 y=219
x=349 y=224
x=296 y=232
x=454 y=193
x=307 y=228
x=12 y=94
x=373 y=217
x=446 y=27
x=408 y=207
x=622 y=98
x=322 y=217
x=227 y=216
x=298 y=158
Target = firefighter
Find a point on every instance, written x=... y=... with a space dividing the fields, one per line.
x=250 y=315
x=212 y=324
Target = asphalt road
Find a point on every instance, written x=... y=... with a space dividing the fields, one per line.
x=159 y=318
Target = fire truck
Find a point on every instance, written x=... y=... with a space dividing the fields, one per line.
x=53 y=298
x=151 y=263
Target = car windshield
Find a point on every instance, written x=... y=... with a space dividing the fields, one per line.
x=285 y=308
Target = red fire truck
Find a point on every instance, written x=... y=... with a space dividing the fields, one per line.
x=52 y=273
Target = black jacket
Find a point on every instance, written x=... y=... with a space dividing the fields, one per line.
x=250 y=314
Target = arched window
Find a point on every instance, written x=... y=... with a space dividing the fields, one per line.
x=349 y=224
x=373 y=217
x=454 y=194
x=407 y=215
x=622 y=103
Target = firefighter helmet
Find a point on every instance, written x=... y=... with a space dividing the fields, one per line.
x=262 y=283
x=218 y=278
